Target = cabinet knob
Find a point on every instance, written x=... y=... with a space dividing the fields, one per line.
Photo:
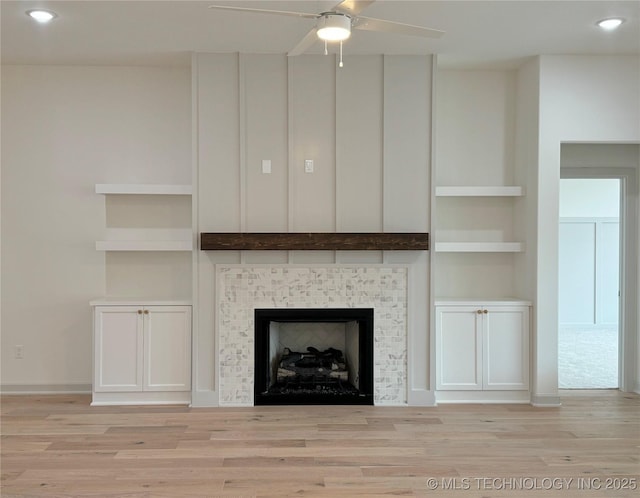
x=139 y=312
x=146 y=312
x=479 y=312
x=484 y=311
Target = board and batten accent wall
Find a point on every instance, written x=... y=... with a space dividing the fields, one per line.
x=367 y=128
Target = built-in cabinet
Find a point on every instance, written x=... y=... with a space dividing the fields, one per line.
x=142 y=327
x=481 y=321
x=142 y=352
x=482 y=345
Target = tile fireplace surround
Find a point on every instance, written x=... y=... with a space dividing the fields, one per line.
x=242 y=288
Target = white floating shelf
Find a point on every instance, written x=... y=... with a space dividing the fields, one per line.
x=480 y=191
x=479 y=247
x=143 y=189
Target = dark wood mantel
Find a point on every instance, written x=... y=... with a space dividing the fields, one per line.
x=314 y=241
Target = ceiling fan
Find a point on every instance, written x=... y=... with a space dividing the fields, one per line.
x=335 y=25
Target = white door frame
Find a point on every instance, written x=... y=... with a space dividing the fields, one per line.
x=628 y=321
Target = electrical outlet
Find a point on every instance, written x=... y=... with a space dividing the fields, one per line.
x=18 y=352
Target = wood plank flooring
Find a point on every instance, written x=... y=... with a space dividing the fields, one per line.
x=60 y=446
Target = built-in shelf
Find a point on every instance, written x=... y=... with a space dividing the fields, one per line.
x=314 y=241
x=479 y=247
x=480 y=191
x=143 y=189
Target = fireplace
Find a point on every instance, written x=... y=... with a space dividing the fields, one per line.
x=313 y=356
x=241 y=289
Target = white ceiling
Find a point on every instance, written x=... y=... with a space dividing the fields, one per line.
x=150 y=32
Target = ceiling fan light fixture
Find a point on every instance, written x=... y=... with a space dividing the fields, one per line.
x=333 y=27
x=610 y=23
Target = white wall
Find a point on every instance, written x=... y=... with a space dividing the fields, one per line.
x=476 y=127
x=589 y=198
x=367 y=128
x=582 y=99
x=588 y=281
x=64 y=129
x=526 y=166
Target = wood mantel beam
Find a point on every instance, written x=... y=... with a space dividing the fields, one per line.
x=314 y=241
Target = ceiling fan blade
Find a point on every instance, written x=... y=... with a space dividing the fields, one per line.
x=310 y=38
x=371 y=24
x=264 y=11
x=352 y=7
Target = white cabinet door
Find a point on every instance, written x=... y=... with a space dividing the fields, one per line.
x=458 y=348
x=167 y=348
x=118 y=346
x=506 y=347
x=482 y=347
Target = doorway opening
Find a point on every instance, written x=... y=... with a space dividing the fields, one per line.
x=589 y=283
x=618 y=161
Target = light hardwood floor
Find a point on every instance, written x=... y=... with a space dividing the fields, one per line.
x=60 y=446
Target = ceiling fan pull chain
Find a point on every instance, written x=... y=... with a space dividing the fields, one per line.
x=341 y=64
x=326 y=51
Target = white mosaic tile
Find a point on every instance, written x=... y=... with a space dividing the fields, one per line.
x=241 y=289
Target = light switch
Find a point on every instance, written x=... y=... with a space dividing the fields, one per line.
x=266 y=166
x=308 y=165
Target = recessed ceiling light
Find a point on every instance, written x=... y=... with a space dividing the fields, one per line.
x=41 y=15
x=611 y=23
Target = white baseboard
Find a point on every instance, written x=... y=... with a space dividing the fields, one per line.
x=489 y=397
x=45 y=389
x=546 y=400
x=421 y=398
x=141 y=398
x=204 y=399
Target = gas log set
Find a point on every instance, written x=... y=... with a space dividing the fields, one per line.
x=314 y=370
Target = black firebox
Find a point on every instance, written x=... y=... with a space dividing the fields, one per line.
x=314 y=356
